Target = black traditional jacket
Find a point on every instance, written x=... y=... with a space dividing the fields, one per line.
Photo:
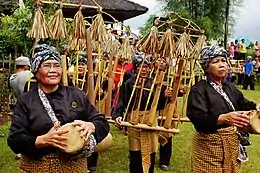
x=31 y=120
x=205 y=105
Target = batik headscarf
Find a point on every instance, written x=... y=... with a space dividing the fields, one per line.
x=210 y=52
x=138 y=59
x=82 y=58
x=44 y=52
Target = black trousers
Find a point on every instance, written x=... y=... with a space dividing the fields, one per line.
x=240 y=79
x=236 y=56
x=249 y=80
x=166 y=153
x=92 y=160
x=136 y=162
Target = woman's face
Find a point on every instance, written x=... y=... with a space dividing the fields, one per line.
x=160 y=63
x=144 y=70
x=49 y=72
x=81 y=68
x=218 y=67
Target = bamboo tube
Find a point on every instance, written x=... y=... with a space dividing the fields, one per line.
x=184 y=119
x=84 y=78
x=133 y=91
x=172 y=105
x=153 y=110
x=146 y=127
x=97 y=88
x=135 y=113
x=64 y=70
x=110 y=87
x=91 y=95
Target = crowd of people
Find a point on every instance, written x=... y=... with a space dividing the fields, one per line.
x=215 y=107
x=245 y=68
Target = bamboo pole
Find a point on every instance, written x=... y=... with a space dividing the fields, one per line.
x=64 y=70
x=90 y=95
x=71 y=5
x=110 y=88
x=146 y=127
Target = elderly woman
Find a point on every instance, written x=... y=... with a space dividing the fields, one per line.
x=217 y=109
x=39 y=113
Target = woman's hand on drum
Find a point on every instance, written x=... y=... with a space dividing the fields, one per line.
x=236 y=118
x=84 y=127
x=118 y=121
x=53 y=138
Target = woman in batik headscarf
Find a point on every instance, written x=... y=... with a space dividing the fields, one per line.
x=217 y=109
x=82 y=73
x=40 y=112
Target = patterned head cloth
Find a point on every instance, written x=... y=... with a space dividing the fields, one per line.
x=82 y=58
x=138 y=60
x=210 y=52
x=44 y=52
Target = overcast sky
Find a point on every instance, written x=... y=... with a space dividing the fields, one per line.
x=247 y=18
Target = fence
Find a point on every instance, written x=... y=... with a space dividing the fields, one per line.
x=7 y=67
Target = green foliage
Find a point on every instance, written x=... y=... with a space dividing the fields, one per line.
x=208 y=14
x=148 y=25
x=13 y=30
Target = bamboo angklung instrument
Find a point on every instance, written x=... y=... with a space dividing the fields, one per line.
x=182 y=54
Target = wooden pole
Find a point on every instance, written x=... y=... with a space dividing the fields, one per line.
x=146 y=127
x=71 y=5
x=90 y=95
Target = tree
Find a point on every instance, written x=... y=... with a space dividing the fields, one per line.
x=148 y=25
x=210 y=15
x=13 y=31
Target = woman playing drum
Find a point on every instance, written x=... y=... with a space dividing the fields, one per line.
x=35 y=130
x=217 y=109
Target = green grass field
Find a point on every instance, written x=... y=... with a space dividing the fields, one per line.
x=116 y=159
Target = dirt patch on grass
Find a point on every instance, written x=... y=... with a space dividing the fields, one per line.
x=4 y=117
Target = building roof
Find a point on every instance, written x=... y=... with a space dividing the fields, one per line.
x=119 y=9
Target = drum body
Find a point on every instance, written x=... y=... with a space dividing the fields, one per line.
x=75 y=142
x=105 y=144
x=254 y=126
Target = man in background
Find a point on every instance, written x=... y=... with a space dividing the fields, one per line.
x=249 y=77
x=242 y=49
x=18 y=80
x=20 y=77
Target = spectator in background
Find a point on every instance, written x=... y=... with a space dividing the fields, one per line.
x=231 y=50
x=18 y=80
x=249 y=77
x=22 y=74
x=242 y=50
x=256 y=64
x=236 y=50
x=240 y=75
x=257 y=49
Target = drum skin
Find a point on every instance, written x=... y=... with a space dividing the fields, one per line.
x=75 y=142
x=255 y=123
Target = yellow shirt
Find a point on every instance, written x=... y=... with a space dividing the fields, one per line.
x=242 y=48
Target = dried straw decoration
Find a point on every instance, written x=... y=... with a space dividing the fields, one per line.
x=151 y=44
x=98 y=29
x=39 y=28
x=58 y=26
x=167 y=44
